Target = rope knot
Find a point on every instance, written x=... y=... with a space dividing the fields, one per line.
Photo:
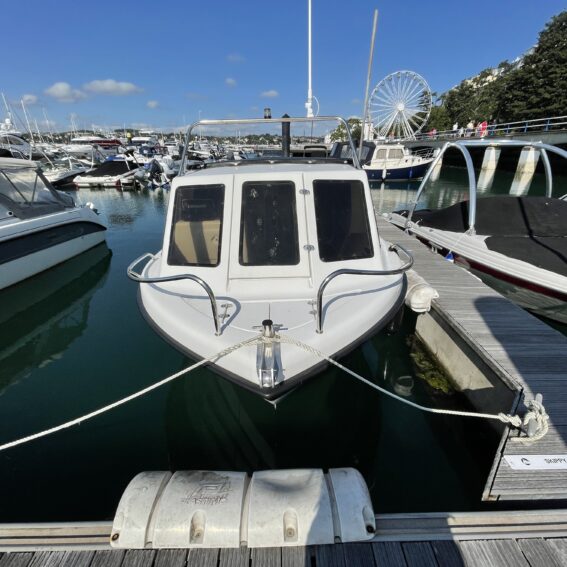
x=536 y=420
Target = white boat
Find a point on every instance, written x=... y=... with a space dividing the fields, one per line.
x=63 y=170
x=84 y=146
x=118 y=172
x=17 y=147
x=394 y=162
x=40 y=227
x=271 y=248
x=518 y=244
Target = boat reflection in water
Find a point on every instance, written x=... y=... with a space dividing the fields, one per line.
x=56 y=307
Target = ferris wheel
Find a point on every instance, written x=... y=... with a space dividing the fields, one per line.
x=399 y=105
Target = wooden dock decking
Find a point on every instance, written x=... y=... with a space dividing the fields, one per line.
x=525 y=353
x=492 y=553
x=479 y=539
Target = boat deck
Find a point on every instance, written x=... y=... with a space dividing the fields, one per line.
x=527 y=354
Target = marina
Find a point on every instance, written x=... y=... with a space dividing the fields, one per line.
x=264 y=338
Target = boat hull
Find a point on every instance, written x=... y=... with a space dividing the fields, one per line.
x=416 y=171
x=25 y=255
x=290 y=384
x=542 y=301
x=353 y=310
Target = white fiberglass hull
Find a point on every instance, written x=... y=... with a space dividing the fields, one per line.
x=26 y=249
x=354 y=308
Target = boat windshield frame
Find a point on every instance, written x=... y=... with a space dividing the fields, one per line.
x=33 y=207
x=289 y=120
x=463 y=146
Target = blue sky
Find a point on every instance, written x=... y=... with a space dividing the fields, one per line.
x=161 y=63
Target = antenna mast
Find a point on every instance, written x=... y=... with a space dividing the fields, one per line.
x=309 y=103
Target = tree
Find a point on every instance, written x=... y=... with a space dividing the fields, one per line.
x=339 y=133
x=532 y=87
x=538 y=87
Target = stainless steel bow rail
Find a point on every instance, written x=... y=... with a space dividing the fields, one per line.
x=264 y=121
x=394 y=248
x=142 y=279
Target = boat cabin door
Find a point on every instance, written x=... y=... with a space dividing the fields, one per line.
x=269 y=228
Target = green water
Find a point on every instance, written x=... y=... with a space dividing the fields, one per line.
x=72 y=340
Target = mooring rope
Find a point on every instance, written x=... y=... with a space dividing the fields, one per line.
x=536 y=411
x=514 y=420
x=129 y=398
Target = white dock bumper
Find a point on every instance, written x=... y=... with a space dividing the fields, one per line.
x=227 y=509
x=419 y=294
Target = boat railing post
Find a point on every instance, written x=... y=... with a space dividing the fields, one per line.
x=286 y=137
x=133 y=275
x=404 y=268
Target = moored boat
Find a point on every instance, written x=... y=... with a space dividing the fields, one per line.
x=394 y=162
x=517 y=243
x=285 y=251
x=40 y=227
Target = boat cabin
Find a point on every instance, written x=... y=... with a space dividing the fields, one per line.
x=277 y=221
x=260 y=244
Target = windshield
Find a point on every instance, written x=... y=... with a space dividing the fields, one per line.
x=24 y=185
x=344 y=236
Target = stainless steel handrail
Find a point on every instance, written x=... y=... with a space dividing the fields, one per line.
x=462 y=146
x=141 y=279
x=394 y=247
x=503 y=128
x=232 y=122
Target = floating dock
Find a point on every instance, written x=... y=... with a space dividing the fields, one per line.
x=479 y=539
x=501 y=355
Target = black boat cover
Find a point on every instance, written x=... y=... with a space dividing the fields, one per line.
x=114 y=167
x=532 y=229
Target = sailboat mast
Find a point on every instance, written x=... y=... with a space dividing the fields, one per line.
x=27 y=121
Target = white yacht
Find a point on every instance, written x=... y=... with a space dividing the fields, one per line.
x=40 y=227
x=279 y=250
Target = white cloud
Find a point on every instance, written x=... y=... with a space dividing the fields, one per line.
x=356 y=101
x=270 y=94
x=254 y=108
x=152 y=104
x=64 y=92
x=29 y=99
x=230 y=82
x=112 y=87
x=235 y=58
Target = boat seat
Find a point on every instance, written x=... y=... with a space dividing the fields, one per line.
x=198 y=241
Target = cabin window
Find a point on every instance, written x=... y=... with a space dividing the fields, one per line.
x=396 y=154
x=268 y=224
x=343 y=230
x=197 y=226
x=380 y=154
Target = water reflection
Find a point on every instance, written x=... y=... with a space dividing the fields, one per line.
x=42 y=316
